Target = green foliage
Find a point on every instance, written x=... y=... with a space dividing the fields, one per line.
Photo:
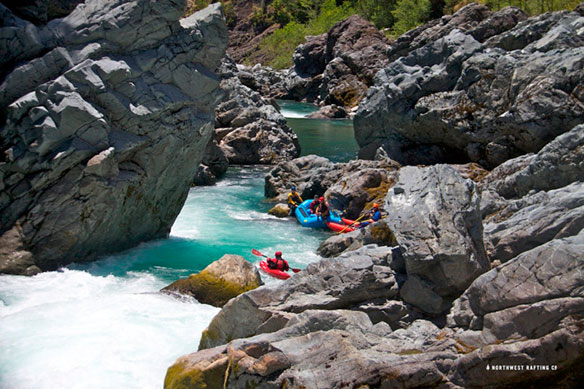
x=531 y=7
x=410 y=14
x=379 y=12
x=230 y=13
x=281 y=44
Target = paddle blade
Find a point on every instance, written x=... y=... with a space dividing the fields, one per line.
x=295 y=270
x=256 y=252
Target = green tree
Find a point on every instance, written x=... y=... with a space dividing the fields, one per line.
x=410 y=14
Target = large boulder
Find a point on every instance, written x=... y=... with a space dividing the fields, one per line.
x=520 y=225
x=475 y=18
x=545 y=282
x=338 y=283
x=104 y=117
x=460 y=99
x=559 y=163
x=435 y=217
x=222 y=280
x=533 y=199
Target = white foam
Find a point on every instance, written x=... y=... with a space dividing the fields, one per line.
x=70 y=329
x=287 y=113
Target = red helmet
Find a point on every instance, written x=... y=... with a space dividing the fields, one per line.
x=278 y=254
x=321 y=199
x=376 y=205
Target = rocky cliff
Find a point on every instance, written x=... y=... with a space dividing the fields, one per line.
x=470 y=289
x=476 y=86
x=104 y=117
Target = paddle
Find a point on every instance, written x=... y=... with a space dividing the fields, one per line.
x=359 y=218
x=256 y=252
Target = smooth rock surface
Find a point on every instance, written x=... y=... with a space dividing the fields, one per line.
x=434 y=215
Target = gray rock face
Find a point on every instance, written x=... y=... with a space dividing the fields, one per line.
x=520 y=225
x=458 y=99
x=435 y=216
x=104 y=122
x=559 y=163
x=528 y=283
x=249 y=129
x=520 y=210
x=330 y=284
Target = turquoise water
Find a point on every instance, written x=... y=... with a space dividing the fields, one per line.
x=104 y=324
x=333 y=139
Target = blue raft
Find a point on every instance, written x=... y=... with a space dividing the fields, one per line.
x=308 y=219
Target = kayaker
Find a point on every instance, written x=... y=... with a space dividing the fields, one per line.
x=314 y=205
x=322 y=210
x=294 y=199
x=278 y=262
x=373 y=216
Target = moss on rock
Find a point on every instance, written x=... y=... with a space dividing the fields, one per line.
x=221 y=281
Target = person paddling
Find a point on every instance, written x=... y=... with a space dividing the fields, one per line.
x=294 y=199
x=373 y=216
x=323 y=209
x=278 y=262
x=314 y=205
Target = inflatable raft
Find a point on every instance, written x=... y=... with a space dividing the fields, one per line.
x=307 y=219
x=282 y=275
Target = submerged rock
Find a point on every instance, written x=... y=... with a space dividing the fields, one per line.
x=104 y=117
x=222 y=280
x=280 y=210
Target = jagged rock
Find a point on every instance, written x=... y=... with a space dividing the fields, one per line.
x=434 y=215
x=559 y=163
x=280 y=210
x=501 y=300
x=332 y=68
x=521 y=225
x=309 y=57
x=451 y=100
x=104 y=118
x=329 y=284
x=329 y=112
x=249 y=129
x=222 y=280
x=335 y=347
x=311 y=174
x=475 y=18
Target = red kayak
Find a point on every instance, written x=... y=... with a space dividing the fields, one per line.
x=282 y=275
x=337 y=227
x=349 y=222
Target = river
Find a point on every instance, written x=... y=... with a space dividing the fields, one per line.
x=104 y=324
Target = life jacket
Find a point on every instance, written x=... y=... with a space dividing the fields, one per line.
x=375 y=214
x=314 y=206
x=279 y=264
x=294 y=198
x=323 y=208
